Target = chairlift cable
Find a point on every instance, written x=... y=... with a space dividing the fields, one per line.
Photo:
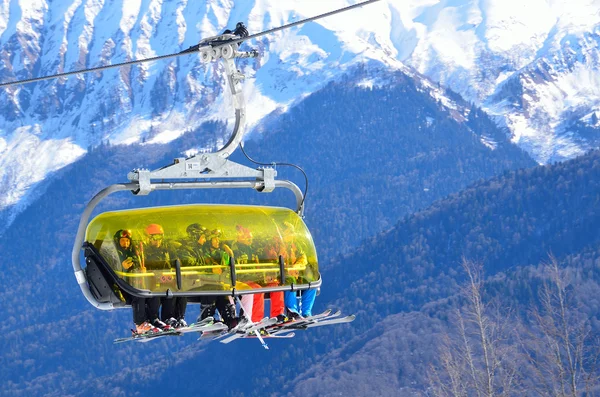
x=187 y=51
x=289 y=25
x=96 y=69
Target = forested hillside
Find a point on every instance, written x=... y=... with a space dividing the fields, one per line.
x=404 y=348
x=408 y=284
x=373 y=155
x=512 y=220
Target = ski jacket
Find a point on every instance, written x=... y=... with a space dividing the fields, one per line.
x=125 y=254
x=131 y=253
x=217 y=257
x=192 y=254
x=244 y=253
x=292 y=253
x=157 y=258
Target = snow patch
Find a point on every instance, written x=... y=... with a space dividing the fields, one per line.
x=27 y=155
x=489 y=142
x=366 y=83
x=4 y=15
x=166 y=136
x=527 y=21
x=130 y=10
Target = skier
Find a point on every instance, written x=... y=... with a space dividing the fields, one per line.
x=218 y=253
x=158 y=256
x=271 y=253
x=192 y=252
x=197 y=251
x=244 y=253
x=294 y=255
x=131 y=263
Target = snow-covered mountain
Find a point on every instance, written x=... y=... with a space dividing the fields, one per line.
x=532 y=64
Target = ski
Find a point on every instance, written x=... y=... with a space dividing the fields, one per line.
x=341 y=320
x=238 y=333
x=203 y=325
x=146 y=337
x=158 y=335
x=304 y=326
x=212 y=335
x=216 y=327
x=268 y=336
x=317 y=317
x=327 y=314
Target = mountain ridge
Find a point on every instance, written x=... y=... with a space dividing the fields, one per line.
x=468 y=46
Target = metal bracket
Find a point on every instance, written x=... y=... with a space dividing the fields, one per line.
x=268 y=179
x=205 y=166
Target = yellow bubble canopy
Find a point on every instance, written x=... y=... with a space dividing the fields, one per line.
x=201 y=249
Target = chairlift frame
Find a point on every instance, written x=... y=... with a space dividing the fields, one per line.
x=200 y=171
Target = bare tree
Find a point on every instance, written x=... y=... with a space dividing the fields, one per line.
x=562 y=355
x=479 y=359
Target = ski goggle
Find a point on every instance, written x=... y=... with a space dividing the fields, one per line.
x=215 y=233
x=156 y=237
x=197 y=232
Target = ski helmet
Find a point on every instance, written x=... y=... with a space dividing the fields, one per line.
x=195 y=230
x=154 y=228
x=123 y=233
x=214 y=233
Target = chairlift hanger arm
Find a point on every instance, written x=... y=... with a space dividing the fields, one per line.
x=214 y=165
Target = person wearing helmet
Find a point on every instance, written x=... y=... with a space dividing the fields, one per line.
x=218 y=252
x=158 y=256
x=125 y=250
x=293 y=255
x=192 y=251
x=204 y=248
x=244 y=253
x=131 y=263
